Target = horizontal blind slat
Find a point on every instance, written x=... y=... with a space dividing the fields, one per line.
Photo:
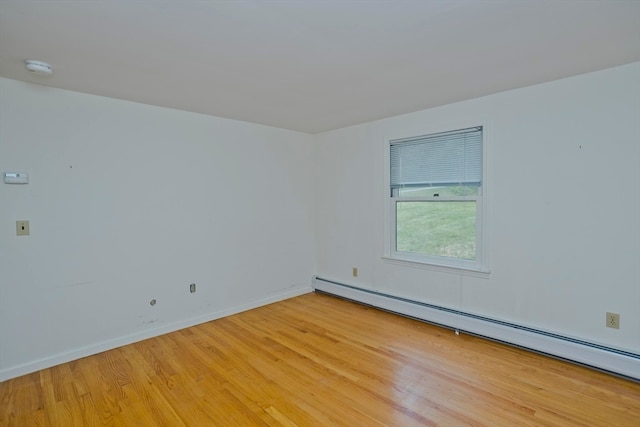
x=438 y=159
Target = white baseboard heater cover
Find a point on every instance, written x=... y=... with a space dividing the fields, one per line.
x=615 y=361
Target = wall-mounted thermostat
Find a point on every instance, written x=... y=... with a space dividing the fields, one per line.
x=16 y=178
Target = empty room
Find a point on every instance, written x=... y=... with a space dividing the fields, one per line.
x=316 y=213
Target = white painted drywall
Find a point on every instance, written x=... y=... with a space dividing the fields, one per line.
x=128 y=203
x=563 y=195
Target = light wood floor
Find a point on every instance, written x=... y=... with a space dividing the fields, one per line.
x=316 y=360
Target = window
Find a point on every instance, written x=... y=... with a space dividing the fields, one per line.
x=436 y=198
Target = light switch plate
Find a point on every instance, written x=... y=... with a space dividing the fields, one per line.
x=22 y=228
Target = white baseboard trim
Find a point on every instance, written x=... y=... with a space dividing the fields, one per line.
x=615 y=361
x=47 y=362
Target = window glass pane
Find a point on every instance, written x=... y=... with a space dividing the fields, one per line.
x=447 y=191
x=445 y=229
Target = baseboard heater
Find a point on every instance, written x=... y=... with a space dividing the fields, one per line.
x=612 y=360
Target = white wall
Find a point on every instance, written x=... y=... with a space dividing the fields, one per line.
x=129 y=202
x=564 y=200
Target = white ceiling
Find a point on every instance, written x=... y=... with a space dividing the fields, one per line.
x=312 y=65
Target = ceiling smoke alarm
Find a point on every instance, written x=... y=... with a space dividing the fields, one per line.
x=38 y=67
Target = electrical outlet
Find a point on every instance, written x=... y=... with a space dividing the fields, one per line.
x=192 y=288
x=613 y=320
x=354 y=271
x=22 y=228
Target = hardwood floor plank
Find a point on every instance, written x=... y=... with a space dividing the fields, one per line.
x=308 y=366
x=316 y=360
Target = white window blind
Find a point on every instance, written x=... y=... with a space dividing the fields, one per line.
x=442 y=159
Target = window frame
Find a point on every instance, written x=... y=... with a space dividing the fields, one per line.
x=478 y=266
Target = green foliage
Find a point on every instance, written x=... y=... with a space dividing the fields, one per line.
x=437 y=228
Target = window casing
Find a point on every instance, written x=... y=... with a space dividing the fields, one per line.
x=436 y=197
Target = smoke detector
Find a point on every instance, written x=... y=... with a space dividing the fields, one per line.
x=38 y=67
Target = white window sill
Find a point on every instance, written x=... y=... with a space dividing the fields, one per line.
x=465 y=270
